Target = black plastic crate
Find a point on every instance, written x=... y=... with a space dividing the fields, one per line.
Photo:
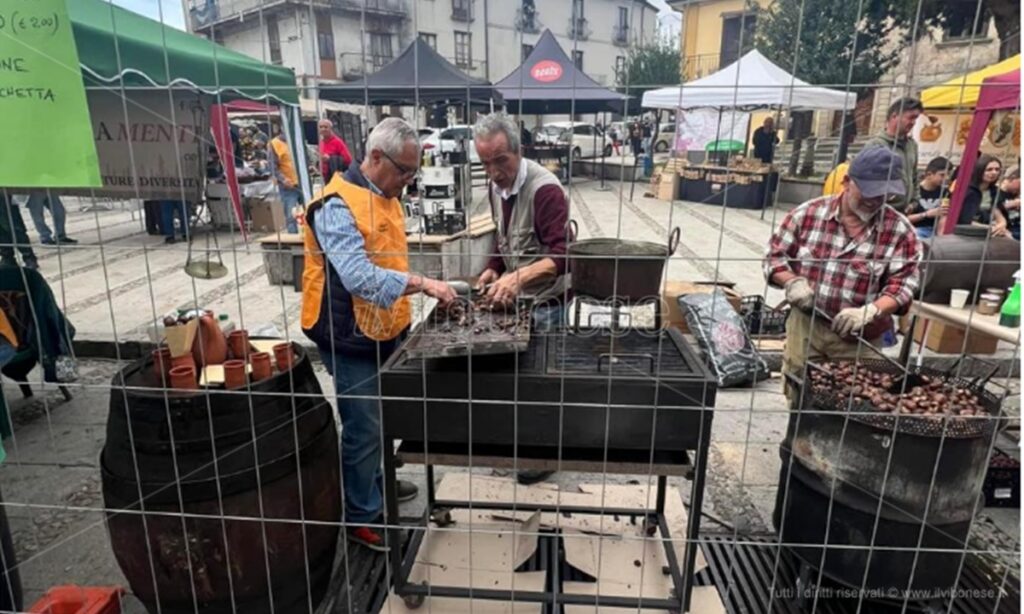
x=1002 y=481
x=762 y=320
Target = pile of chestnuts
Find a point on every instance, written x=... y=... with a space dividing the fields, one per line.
x=931 y=396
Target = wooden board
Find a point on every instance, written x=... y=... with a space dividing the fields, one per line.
x=265 y=345
x=288 y=239
x=459 y=487
x=213 y=375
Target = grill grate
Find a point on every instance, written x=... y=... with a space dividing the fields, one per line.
x=632 y=352
x=743 y=573
x=925 y=426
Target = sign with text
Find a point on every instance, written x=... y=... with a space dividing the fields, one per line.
x=43 y=112
x=149 y=146
x=944 y=133
x=697 y=128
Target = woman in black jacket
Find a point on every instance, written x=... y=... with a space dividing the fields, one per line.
x=981 y=194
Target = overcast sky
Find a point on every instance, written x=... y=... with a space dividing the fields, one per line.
x=172 y=14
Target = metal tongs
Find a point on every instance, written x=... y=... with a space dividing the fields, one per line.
x=818 y=313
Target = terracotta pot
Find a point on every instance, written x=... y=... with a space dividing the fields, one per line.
x=238 y=341
x=161 y=365
x=235 y=375
x=184 y=377
x=210 y=346
x=185 y=360
x=284 y=355
x=261 y=368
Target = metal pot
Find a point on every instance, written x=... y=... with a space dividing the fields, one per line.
x=616 y=269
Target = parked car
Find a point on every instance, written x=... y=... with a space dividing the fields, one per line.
x=588 y=141
x=666 y=137
x=446 y=140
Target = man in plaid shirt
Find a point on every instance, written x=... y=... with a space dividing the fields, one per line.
x=848 y=258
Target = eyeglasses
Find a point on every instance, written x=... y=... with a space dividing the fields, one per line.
x=406 y=172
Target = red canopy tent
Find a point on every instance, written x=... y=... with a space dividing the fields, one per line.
x=998 y=93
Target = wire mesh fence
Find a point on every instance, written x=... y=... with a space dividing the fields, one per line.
x=586 y=310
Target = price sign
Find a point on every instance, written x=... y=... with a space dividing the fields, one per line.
x=44 y=116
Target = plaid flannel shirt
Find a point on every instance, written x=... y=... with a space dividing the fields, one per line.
x=844 y=272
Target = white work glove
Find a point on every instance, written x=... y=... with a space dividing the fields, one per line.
x=853 y=319
x=799 y=293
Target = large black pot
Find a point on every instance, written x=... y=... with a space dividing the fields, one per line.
x=967 y=261
x=248 y=469
x=856 y=498
x=617 y=269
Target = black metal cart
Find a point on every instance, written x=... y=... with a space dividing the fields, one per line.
x=625 y=402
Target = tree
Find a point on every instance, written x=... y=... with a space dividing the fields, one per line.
x=827 y=45
x=648 y=67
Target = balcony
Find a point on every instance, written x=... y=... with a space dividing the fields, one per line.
x=527 y=22
x=697 y=66
x=205 y=14
x=620 y=34
x=579 y=29
x=353 y=66
x=462 y=10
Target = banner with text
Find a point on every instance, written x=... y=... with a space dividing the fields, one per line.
x=159 y=152
x=43 y=112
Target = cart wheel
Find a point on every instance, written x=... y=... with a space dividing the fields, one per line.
x=650 y=526
x=442 y=518
x=414 y=602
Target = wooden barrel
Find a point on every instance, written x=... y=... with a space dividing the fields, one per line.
x=211 y=494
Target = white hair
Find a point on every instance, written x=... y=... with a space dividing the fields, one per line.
x=391 y=135
x=491 y=124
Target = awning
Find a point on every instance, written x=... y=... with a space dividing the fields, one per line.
x=549 y=82
x=963 y=91
x=419 y=76
x=751 y=82
x=118 y=46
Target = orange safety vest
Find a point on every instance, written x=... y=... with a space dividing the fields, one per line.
x=381 y=221
x=7 y=331
x=283 y=160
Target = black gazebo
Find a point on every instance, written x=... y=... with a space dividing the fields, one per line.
x=419 y=76
x=548 y=82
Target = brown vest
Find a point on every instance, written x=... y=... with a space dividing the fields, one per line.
x=518 y=244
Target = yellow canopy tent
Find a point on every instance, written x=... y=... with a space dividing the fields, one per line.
x=963 y=91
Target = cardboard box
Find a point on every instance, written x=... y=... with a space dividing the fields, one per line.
x=267 y=215
x=668 y=187
x=945 y=338
x=672 y=315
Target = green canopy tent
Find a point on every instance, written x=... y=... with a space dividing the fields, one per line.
x=118 y=46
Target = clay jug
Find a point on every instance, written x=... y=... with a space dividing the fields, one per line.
x=210 y=346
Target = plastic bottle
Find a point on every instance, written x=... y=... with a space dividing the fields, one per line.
x=1009 y=315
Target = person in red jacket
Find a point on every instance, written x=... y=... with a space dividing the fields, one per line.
x=334 y=154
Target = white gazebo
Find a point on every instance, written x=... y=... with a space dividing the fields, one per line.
x=751 y=82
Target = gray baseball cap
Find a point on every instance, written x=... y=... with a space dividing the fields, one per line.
x=877 y=171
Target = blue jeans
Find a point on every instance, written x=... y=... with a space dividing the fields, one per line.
x=361 y=473
x=290 y=198
x=548 y=317
x=37 y=201
x=170 y=209
x=925 y=232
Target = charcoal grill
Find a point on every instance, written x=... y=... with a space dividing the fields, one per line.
x=888 y=528
x=626 y=401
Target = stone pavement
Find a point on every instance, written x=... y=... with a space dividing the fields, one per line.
x=118 y=279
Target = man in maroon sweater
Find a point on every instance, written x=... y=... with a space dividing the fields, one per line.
x=531 y=211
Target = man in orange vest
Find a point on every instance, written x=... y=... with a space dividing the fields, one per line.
x=355 y=308
x=286 y=177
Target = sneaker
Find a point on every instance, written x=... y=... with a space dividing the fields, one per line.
x=407 y=491
x=47 y=241
x=170 y=240
x=67 y=239
x=532 y=476
x=369 y=537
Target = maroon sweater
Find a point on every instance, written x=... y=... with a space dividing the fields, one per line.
x=550 y=218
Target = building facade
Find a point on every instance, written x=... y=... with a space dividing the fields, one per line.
x=338 y=40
